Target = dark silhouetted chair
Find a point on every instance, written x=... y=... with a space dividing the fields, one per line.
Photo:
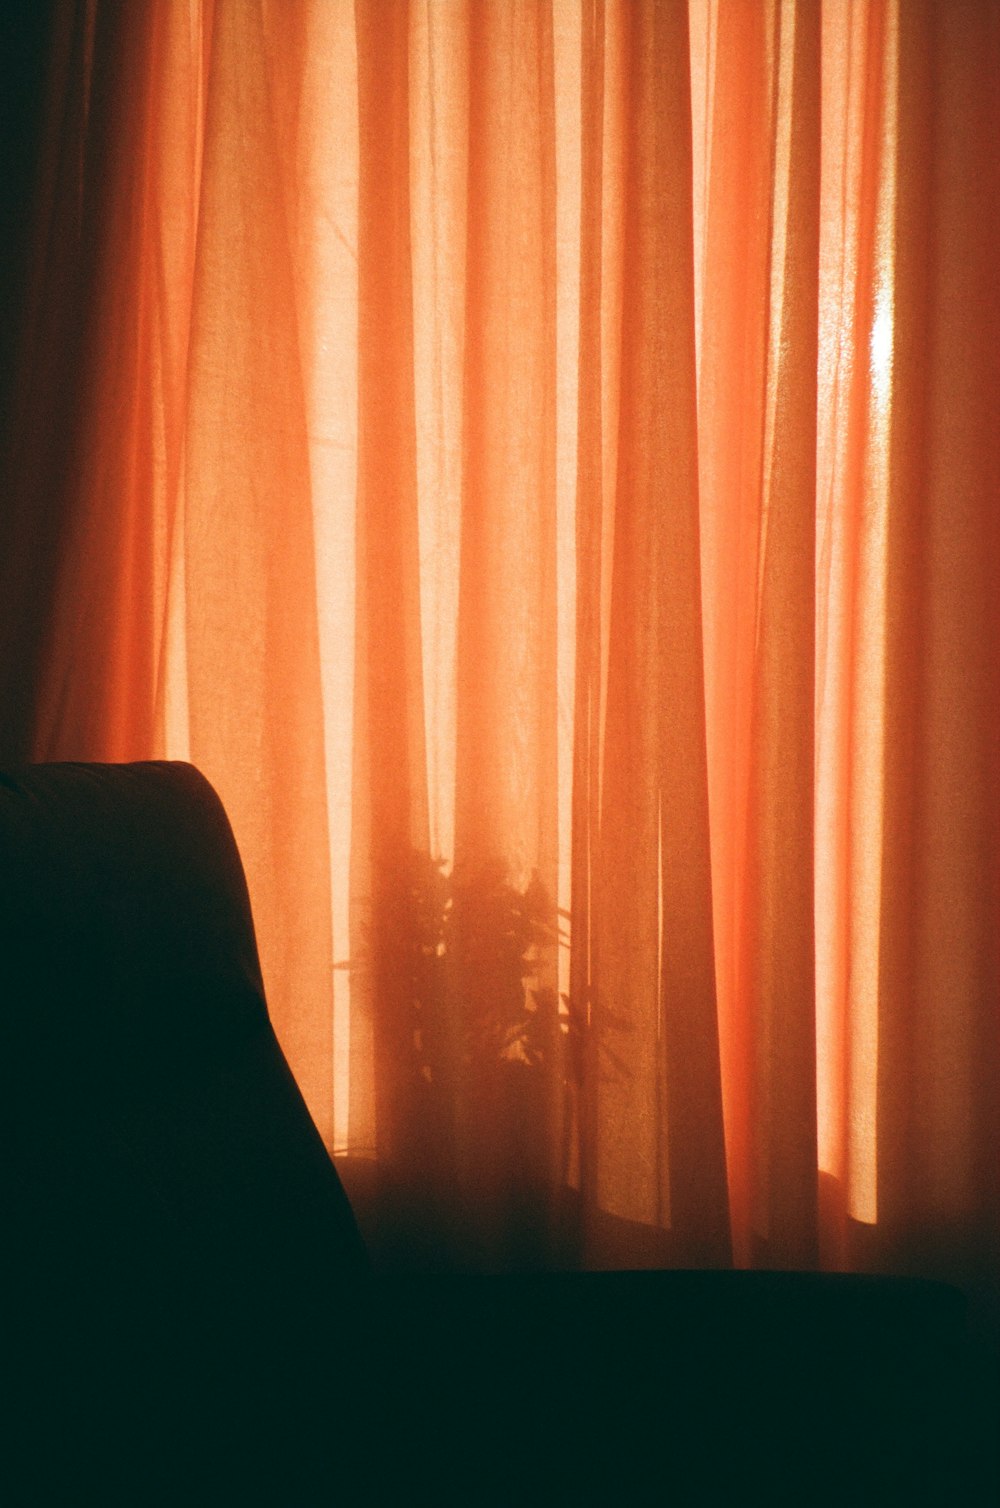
x=184 y=1254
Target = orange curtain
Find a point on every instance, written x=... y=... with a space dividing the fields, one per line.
x=540 y=460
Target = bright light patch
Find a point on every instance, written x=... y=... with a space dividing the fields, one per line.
x=880 y=348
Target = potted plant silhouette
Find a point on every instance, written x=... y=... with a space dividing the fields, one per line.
x=480 y=1054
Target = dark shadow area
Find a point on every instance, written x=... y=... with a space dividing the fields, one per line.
x=25 y=39
x=637 y=1387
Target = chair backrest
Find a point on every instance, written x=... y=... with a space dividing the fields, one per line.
x=168 y=1194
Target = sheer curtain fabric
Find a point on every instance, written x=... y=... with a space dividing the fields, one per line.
x=540 y=461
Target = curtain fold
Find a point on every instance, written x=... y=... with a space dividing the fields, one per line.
x=539 y=460
x=658 y=1133
x=938 y=1111
x=757 y=428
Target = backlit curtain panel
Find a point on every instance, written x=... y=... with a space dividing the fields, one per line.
x=541 y=460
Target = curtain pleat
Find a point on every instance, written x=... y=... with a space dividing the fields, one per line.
x=540 y=460
x=253 y=671
x=389 y=782
x=851 y=513
x=939 y=973
x=655 y=1070
x=757 y=407
x=506 y=816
